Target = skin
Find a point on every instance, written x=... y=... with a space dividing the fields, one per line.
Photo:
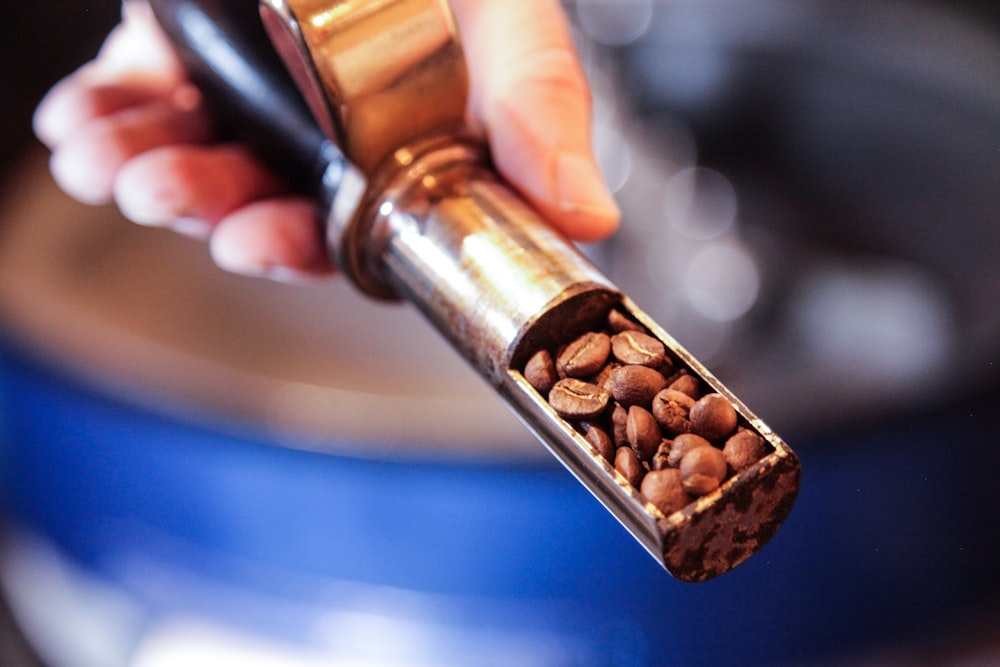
x=127 y=127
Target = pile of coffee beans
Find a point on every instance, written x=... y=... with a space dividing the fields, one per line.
x=639 y=408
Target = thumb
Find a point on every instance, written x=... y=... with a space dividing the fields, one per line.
x=529 y=91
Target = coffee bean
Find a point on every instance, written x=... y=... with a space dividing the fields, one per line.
x=744 y=449
x=657 y=426
x=683 y=444
x=643 y=432
x=628 y=464
x=619 y=423
x=600 y=441
x=661 y=459
x=618 y=323
x=576 y=399
x=687 y=384
x=702 y=470
x=665 y=489
x=671 y=409
x=540 y=372
x=585 y=356
x=605 y=376
x=636 y=385
x=713 y=417
x=636 y=347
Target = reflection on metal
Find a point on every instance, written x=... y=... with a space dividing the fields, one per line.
x=438 y=228
x=371 y=69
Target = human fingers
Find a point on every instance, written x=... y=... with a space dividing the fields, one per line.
x=131 y=98
x=138 y=47
x=531 y=95
x=134 y=66
x=87 y=163
x=76 y=101
x=190 y=188
x=276 y=238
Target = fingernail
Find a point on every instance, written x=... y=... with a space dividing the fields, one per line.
x=581 y=188
x=241 y=265
x=285 y=274
x=192 y=227
x=80 y=175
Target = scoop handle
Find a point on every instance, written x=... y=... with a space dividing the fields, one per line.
x=439 y=229
x=228 y=56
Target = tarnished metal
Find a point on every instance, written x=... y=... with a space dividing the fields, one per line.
x=713 y=534
x=428 y=221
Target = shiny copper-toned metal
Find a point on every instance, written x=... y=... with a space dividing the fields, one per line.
x=427 y=220
x=377 y=74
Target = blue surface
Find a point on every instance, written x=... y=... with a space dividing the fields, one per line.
x=891 y=535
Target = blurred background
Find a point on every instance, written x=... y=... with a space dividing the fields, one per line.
x=197 y=468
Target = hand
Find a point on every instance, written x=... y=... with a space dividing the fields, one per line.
x=128 y=127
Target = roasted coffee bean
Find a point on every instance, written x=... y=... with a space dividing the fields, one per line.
x=671 y=409
x=713 y=417
x=540 y=372
x=628 y=464
x=576 y=399
x=636 y=347
x=643 y=432
x=687 y=384
x=618 y=323
x=585 y=356
x=702 y=470
x=665 y=489
x=661 y=459
x=656 y=425
x=636 y=385
x=619 y=423
x=683 y=444
x=744 y=449
x=600 y=441
x=605 y=376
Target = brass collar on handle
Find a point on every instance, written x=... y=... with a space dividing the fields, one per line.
x=377 y=74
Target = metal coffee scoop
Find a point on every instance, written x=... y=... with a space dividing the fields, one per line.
x=415 y=212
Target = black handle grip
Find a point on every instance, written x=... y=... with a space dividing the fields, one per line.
x=227 y=54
